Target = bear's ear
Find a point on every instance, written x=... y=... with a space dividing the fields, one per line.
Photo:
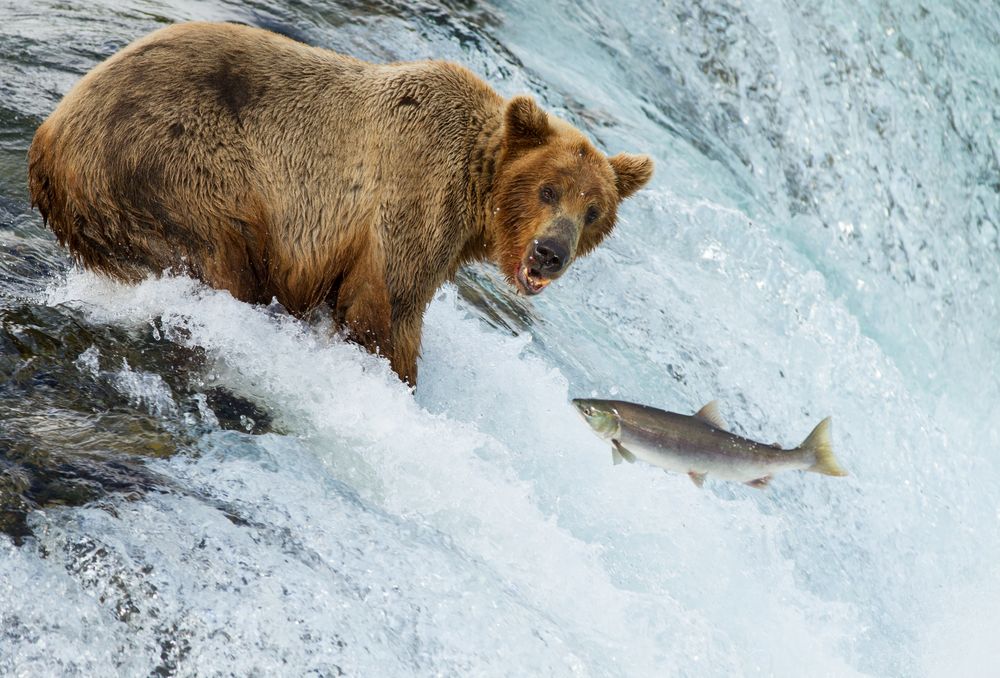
x=525 y=124
x=631 y=172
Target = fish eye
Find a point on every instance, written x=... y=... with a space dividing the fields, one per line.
x=588 y=411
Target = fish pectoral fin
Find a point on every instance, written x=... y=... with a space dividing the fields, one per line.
x=697 y=478
x=711 y=416
x=621 y=453
x=759 y=483
x=616 y=457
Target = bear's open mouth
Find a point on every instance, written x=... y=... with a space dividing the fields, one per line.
x=531 y=281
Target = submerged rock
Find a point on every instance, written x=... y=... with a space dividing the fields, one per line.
x=83 y=407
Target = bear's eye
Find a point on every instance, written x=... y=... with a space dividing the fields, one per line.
x=592 y=215
x=547 y=194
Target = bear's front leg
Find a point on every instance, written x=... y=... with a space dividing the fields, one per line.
x=362 y=307
x=406 y=346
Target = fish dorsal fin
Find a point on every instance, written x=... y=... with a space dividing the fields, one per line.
x=711 y=416
x=697 y=478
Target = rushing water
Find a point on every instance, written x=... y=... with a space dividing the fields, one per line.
x=193 y=486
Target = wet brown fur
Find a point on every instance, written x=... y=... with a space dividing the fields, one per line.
x=272 y=169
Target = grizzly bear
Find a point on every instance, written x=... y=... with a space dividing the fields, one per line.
x=273 y=169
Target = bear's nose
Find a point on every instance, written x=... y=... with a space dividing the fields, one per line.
x=550 y=256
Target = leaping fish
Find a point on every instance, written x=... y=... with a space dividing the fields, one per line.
x=700 y=445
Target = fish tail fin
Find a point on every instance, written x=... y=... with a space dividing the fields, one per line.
x=819 y=444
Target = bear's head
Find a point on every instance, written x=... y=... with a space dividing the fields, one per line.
x=555 y=196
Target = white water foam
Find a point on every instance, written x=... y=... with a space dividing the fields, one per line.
x=607 y=564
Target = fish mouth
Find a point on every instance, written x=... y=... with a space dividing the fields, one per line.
x=529 y=280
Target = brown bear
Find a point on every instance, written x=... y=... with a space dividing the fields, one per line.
x=273 y=169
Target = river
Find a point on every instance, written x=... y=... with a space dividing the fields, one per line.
x=192 y=486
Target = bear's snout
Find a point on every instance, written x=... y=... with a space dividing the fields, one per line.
x=550 y=256
x=547 y=256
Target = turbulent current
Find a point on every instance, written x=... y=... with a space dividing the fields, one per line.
x=190 y=485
